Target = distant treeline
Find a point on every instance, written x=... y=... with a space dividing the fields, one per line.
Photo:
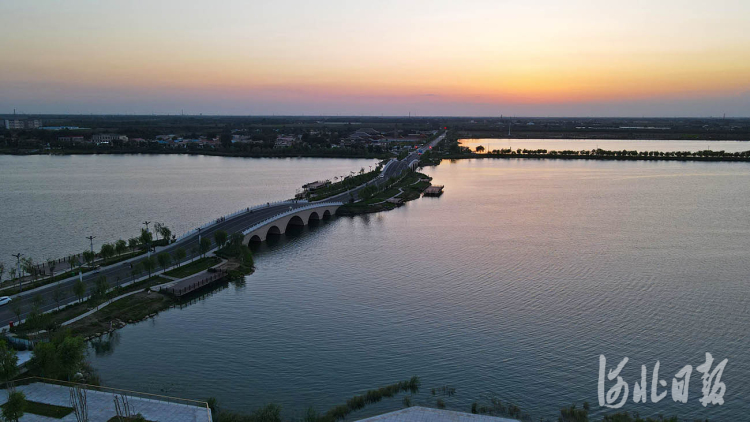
x=601 y=154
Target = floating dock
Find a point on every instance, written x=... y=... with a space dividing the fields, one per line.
x=435 y=190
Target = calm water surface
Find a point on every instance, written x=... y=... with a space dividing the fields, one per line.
x=510 y=284
x=607 y=144
x=49 y=204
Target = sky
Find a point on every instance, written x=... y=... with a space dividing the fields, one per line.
x=380 y=57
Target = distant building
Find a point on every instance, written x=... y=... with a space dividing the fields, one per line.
x=283 y=141
x=71 y=139
x=106 y=138
x=23 y=123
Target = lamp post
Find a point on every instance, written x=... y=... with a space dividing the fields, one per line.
x=149 y=242
x=91 y=240
x=18 y=268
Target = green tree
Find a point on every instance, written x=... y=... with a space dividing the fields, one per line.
x=17 y=311
x=149 y=264
x=137 y=270
x=8 y=362
x=57 y=296
x=60 y=358
x=220 y=237
x=79 y=289
x=37 y=300
x=14 y=407
x=51 y=264
x=121 y=246
x=164 y=260
x=205 y=246
x=145 y=237
x=100 y=287
x=2 y=271
x=165 y=232
x=107 y=251
x=74 y=262
x=180 y=254
x=133 y=243
x=89 y=257
x=226 y=140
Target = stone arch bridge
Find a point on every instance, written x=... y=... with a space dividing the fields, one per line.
x=301 y=216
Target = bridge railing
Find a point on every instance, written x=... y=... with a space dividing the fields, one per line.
x=289 y=212
x=234 y=214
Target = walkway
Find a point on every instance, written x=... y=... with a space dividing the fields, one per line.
x=102 y=407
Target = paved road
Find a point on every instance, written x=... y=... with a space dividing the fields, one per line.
x=393 y=169
x=234 y=224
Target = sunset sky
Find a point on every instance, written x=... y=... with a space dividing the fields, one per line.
x=470 y=57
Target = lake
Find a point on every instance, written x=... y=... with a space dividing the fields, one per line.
x=50 y=204
x=510 y=285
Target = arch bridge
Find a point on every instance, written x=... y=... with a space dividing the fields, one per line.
x=301 y=216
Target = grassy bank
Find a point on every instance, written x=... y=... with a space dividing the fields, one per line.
x=127 y=310
x=410 y=187
x=193 y=267
x=56 y=318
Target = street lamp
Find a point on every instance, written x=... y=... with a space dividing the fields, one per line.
x=18 y=268
x=149 y=242
x=91 y=239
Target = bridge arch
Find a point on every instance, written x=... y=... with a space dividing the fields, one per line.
x=296 y=220
x=286 y=220
x=273 y=231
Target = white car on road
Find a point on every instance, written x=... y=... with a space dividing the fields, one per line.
x=4 y=300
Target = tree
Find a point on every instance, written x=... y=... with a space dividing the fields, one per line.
x=149 y=264
x=37 y=300
x=165 y=232
x=480 y=149
x=180 y=254
x=164 y=260
x=133 y=243
x=57 y=296
x=226 y=140
x=74 y=262
x=137 y=269
x=107 y=251
x=145 y=237
x=220 y=237
x=89 y=257
x=193 y=253
x=2 y=271
x=14 y=407
x=61 y=357
x=205 y=245
x=51 y=264
x=79 y=289
x=8 y=362
x=157 y=230
x=17 y=311
x=100 y=287
x=120 y=247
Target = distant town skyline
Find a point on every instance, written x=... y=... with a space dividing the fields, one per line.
x=290 y=57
